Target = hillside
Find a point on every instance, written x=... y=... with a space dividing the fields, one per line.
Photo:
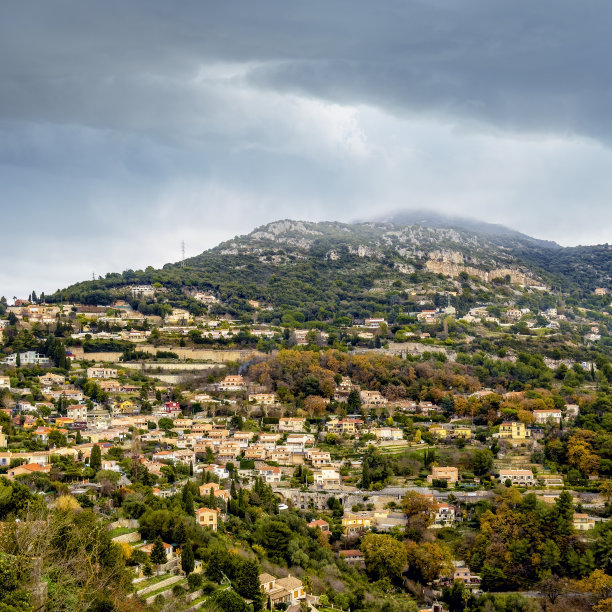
x=352 y=268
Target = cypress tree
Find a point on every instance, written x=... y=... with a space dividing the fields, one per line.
x=187 y=559
x=95 y=460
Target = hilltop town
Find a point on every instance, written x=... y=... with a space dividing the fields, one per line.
x=446 y=448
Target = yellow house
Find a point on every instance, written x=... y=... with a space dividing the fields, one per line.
x=353 y=524
x=583 y=522
x=514 y=430
x=207 y=517
x=462 y=432
x=126 y=407
x=438 y=431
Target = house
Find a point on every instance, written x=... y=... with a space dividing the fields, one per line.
x=263 y=399
x=347 y=427
x=583 y=522
x=5 y=382
x=445 y=515
x=517 y=477
x=207 y=517
x=287 y=590
x=205 y=489
x=547 y=416
x=353 y=557
x=28 y=468
x=148 y=549
x=438 y=431
x=389 y=433
x=326 y=478
x=319 y=524
x=270 y=474
x=101 y=372
x=232 y=382
x=450 y=474
x=464 y=433
x=372 y=398
x=26 y=358
x=291 y=424
x=354 y=524
x=172 y=409
x=514 y=430
x=78 y=412
x=317 y=457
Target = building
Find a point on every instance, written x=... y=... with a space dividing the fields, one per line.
x=319 y=524
x=389 y=433
x=547 y=416
x=270 y=474
x=100 y=372
x=438 y=431
x=5 y=382
x=207 y=517
x=372 y=398
x=291 y=424
x=287 y=590
x=263 y=399
x=220 y=493
x=450 y=474
x=514 y=430
x=326 y=478
x=583 y=522
x=445 y=516
x=148 y=549
x=354 y=524
x=78 y=412
x=464 y=433
x=517 y=477
x=27 y=358
x=232 y=382
x=353 y=557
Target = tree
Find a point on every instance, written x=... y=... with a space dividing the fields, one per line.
x=229 y=601
x=158 y=554
x=95 y=460
x=385 y=557
x=246 y=582
x=419 y=510
x=482 y=460
x=365 y=474
x=354 y=401
x=428 y=560
x=187 y=558
x=165 y=423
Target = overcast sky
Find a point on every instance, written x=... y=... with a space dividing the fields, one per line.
x=127 y=127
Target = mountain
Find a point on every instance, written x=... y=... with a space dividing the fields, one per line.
x=427 y=218
x=326 y=268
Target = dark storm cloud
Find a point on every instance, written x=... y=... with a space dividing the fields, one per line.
x=126 y=127
x=519 y=65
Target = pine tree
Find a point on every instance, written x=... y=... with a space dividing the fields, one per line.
x=246 y=582
x=95 y=460
x=191 y=468
x=212 y=502
x=187 y=559
x=79 y=437
x=158 y=554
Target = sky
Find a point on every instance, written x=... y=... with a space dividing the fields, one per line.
x=127 y=128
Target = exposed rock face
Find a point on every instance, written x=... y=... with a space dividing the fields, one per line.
x=455 y=269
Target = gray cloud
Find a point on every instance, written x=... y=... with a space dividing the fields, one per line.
x=127 y=127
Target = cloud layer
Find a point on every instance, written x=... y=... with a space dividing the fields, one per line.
x=128 y=127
